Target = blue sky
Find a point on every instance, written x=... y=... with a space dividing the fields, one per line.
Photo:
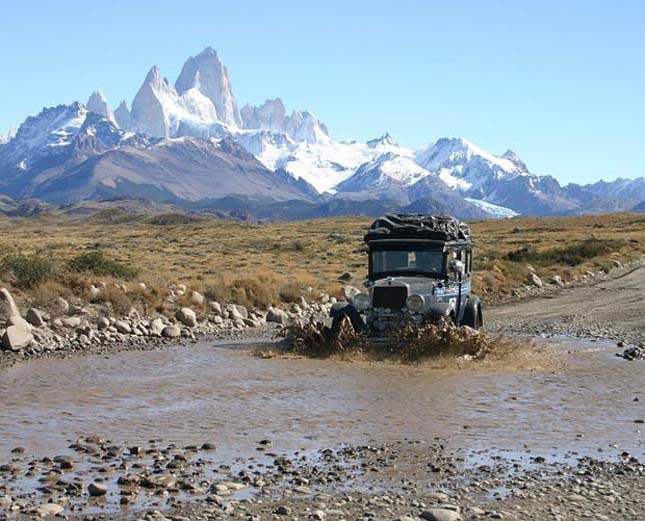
x=561 y=83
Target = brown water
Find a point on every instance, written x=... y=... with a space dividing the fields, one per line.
x=213 y=392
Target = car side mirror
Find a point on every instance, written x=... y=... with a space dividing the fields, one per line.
x=457 y=266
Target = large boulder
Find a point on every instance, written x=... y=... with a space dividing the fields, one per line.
x=17 y=336
x=187 y=317
x=197 y=298
x=277 y=315
x=8 y=307
x=216 y=307
x=171 y=332
x=123 y=327
x=237 y=312
x=157 y=327
x=35 y=317
x=535 y=280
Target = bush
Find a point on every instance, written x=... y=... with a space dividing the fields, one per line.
x=290 y=292
x=97 y=263
x=572 y=255
x=28 y=271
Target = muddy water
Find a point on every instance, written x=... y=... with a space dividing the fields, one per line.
x=221 y=394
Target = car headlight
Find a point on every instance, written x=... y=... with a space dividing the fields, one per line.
x=415 y=303
x=362 y=301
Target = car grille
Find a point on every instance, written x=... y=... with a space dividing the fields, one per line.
x=392 y=297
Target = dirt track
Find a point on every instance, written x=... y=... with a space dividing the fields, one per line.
x=609 y=309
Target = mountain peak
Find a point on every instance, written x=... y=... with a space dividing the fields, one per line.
x=209 y=51
x=385 y=140
x=513 y=158
x=206 y=73
x=98 y=104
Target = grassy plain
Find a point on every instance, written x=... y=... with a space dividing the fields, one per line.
x=263 y=264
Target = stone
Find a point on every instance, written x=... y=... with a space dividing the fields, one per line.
x=103 y=323
x=535 y=280
x=156 y=327
x=35 y=317
x=277 y=315
x=97 y=489
x=62 y=305
x=94 y=292
x=282 y=511
x=16 y=337
x=319 y=515
x=197 y=298
x=187 y=317
x=159 y=481
x=348 y=275
x=48 y=509
x=557 y=280
x=71 y=322
x=440 y=514
x=349 y=292
x=237 y=312
x=215 y=307
x=171 y=332
x=8 y=307
x=123 y=327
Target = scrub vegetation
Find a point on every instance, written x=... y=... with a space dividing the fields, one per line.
x=264 y=264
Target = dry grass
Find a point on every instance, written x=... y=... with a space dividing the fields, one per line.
x=263 y=264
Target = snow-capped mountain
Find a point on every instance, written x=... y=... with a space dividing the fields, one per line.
x=68 y=154
x=99 y=105
x=189 y=141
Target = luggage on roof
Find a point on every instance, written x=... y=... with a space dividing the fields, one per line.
x=418 y=226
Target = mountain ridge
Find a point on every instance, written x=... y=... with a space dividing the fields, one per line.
x=234 y=151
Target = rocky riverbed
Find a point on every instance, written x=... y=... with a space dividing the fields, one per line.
x=220 y=434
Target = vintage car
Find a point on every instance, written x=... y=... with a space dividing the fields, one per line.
x=419 y=269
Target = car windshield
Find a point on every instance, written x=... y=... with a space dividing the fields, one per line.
x=388 y=261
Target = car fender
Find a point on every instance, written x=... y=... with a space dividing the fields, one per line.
x=440 y=309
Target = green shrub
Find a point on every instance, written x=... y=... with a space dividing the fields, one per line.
x=96 y=263
x=28 y=271
x=572 y=255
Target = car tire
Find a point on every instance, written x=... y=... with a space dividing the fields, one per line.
x=473 y=314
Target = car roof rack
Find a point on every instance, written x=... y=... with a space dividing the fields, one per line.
x=404 y=226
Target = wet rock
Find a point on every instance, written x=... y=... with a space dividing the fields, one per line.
x=159 y=481
x=440 y=514
x=48 y=509
x=35 y=317
x=97 y=489
x=187 y=317
x=171 y=332
x=208 y=446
